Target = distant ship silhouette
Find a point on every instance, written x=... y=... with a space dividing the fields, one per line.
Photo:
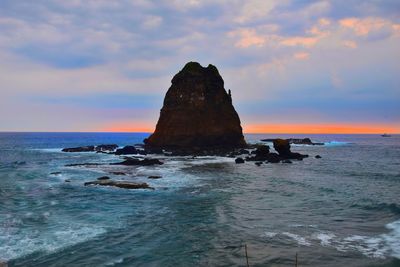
x=386 y=135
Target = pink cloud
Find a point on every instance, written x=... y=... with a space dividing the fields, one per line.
x=363 y=27
x=302 y=56
x=349 y=44
x=247 y=38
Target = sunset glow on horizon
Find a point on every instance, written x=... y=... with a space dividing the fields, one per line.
x=282 y=129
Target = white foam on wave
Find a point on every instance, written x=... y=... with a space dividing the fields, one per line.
x=380 y=246
x=392 y=239
x=299 y=239
x=21 y=242
x=325 y=238
x=270 y=234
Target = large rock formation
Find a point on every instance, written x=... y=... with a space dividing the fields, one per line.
x=197 y=112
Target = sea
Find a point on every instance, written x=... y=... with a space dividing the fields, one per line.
x=340 y=210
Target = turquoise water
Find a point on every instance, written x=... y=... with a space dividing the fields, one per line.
x=341 y=210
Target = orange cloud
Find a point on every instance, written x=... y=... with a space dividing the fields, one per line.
x=338 y=128
x=363 y=26
x=302 y=55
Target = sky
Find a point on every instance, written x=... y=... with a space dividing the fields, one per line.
x=292 y=66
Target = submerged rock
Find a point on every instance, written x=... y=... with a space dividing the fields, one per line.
x=98 y=148
x=118 y=173
x=197 y=112
x=79 y=149
x=120 y=184
x=55 y=173
x=138 y=162
x=297 y=141
x=318 y=157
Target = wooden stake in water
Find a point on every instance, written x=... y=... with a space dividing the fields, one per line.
x=296 y=260
x=247 y=257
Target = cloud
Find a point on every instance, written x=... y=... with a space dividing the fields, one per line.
x=349 y=44
x=301 y=55
x=247 y=38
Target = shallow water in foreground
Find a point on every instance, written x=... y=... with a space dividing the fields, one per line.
x=341 y=210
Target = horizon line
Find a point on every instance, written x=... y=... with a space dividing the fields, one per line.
x=311 y=133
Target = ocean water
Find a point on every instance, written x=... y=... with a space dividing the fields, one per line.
x=341 y=210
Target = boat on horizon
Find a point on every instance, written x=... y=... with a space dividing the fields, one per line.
x=386 y=135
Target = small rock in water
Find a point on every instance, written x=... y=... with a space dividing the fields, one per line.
x=118 y=173
x=239 y=160
x=55 y=173
x=103 y=178
x=318 y=157
x=67 y=180
x=138 y=162
x=120 y=184
x=287 y=161
x=258 y=163
x=79 y=149
x=154 y=177
x=126 y=150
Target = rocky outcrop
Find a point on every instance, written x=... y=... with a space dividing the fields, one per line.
x=282 y=146
x=120 y=184
x=197 y=112
x=138 y=162
x=297 y=141
x=79 y=149
x=98 y=148
x=126 y=150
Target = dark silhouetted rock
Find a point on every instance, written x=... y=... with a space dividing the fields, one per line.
x=103 y=178
x=67 y=180
x=282 y=146
x=287 y=161
x=297 y=141
x=197 y=112
x=126 y=150
x=120 y=184
x=258 y=163
x=239 y=160
x=318 y=157
x=55 y=173
x=154 y=177
x=138 y=162
x=273 y=158
x=79 y=149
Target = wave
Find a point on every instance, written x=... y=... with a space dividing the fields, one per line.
x=16 y=243
x=380 y=246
